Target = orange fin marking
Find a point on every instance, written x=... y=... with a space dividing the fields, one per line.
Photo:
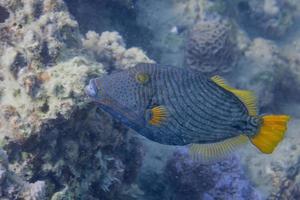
x=158 y=115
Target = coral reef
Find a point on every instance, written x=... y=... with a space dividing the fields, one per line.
x=265 y=70
x=231 y=181
x=60 y=145
x=13 y=186
x=288 y=191
x=109 y=49
x=43 y=68
x=287 y=187
x=272 y=73
x=269 y=172
x=186 y=178
x=210 y=46
x=273 y=18
x=168 y=21
x=41 y=76
x=87 y=156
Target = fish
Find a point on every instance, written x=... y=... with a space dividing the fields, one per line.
x=182 y=107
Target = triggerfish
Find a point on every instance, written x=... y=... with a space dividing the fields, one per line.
x=179 y=106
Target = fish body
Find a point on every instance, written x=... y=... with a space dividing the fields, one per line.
x=175 y=106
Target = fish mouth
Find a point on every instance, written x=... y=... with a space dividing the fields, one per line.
x=90 y=90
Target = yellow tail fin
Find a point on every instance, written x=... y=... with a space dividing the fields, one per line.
x=271 y=132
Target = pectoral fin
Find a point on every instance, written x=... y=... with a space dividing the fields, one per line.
x=157 y=115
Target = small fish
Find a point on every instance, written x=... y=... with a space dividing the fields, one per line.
x=177 y=106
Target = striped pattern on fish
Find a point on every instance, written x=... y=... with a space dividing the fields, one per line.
x=179 y=106
x=199 y=111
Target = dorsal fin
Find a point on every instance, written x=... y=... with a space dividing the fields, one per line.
x=247 y=97
x=215 y=151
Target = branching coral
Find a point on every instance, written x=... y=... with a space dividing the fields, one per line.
x=109 y=48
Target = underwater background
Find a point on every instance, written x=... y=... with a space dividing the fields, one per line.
x=55 y=144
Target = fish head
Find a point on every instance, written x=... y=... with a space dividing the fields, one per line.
x=98 y=90
x=91 y=90
x=118 y=94
x=119 y=87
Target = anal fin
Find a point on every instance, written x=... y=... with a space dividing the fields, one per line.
x=215 y=151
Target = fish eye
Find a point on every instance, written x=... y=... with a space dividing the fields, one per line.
x=142 y=78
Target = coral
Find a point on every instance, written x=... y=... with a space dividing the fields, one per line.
x=59 y=143
x=44 y=68
x=288 y=190
x=60 y=146
x=186 y=178
x=290 y=84
x=272 y=73
x=210 y=46
x=269 y=172
x=287 y=187
x=109 y=49
x=231 y=181
x=13 y=186
x=273 y=18
x=41 y=76
x=170 y=21
x=167 y=21
x=265 y=67
x=90 y=154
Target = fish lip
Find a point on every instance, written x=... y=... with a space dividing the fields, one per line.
x=87 y=92
x=90 y=90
